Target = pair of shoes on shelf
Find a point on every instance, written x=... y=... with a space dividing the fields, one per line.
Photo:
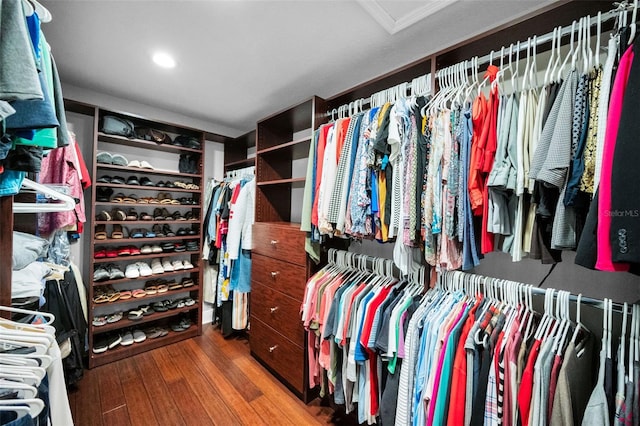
x=140 y=164
x=186 y=141
x=138 y=269
x=193 y=245
x=107 y=272
x=113 y=159
x=183 y=324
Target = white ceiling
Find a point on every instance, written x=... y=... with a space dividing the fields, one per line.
x=239 y=61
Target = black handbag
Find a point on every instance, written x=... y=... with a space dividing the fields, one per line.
x=113 y=125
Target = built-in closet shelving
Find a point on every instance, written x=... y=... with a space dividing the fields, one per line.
x=138 y=149
x=280 y=267
x=236 y=152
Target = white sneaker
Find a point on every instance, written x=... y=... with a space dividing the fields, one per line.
x=156 y=248
x=145 y=270
x=177 y=265
x=132 y=271
x=187 y=264
x=166 y=265
x=156 y=267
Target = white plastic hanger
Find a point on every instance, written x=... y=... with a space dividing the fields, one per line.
x=570 y=53
x=548 y=72
x=24 y=390
x=35 y=405
x=634 y=15
x=67 y=204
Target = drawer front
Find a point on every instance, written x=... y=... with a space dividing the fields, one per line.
x=278 y=311
x=281 y=242
x=277 y=352
x=282 y=276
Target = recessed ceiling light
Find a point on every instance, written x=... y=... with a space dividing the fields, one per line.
x=164 y=60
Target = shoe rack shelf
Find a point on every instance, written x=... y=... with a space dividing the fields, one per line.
x=146 y=188
x=147 y=278
x=120 y=352
x=146 y=171
x=127 y=323
x=137 y=149
x=139 y=143
x=141 y=301
x=135 y=257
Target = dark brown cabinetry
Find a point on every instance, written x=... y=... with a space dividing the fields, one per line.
x=280 y=266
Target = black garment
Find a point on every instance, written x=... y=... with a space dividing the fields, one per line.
x=389 y=399
x=63 y=301
x=477 y=411
x=421 y=160
x=609 y=388
x=24 y=158
x=625 y=175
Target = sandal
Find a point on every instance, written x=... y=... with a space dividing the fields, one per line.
x=100 y=232
x=145 y=216
x=137 y=293
x=118 y=214
x=135 y=314
x=117 y=232
x=99 y=320
x=117 y=198
x=175 y=286
x=100 y=298
x=151 y=290
x=114 y=317
x=132 y=214
x=163 y=288
x=143 y=200
x=104 y=216
x=125 y=294
x=131 y=199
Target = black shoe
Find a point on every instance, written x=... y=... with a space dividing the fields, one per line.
x=104 y=179
x=117 y=180
x=133 y=180
x=104 y=194
x=145 y=181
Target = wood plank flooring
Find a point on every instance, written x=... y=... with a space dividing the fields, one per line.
x=202 y=381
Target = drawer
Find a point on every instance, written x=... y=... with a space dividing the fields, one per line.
x=284 y=242
x=278 y=311
x=282 y=276
x=278 y=352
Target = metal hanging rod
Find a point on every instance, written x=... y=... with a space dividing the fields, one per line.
x=419 y=86
x=548 y=37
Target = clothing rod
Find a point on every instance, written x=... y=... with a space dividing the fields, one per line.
x=366 y=101
x=545 y=38
x=536 y=291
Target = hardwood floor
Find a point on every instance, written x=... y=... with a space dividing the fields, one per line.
x=202 y=381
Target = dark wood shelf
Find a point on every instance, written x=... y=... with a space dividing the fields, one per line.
x=150 y=277
x=142 y=256
x=126 y=322
x=140 y=301
x=138 y=143
x=282 y=181
x=141 y=222
x=147 y=171
x=240 y=163
x=284 y=146
x=168 y=206
x=147 y=188
x=130 y=241
x=121 y=352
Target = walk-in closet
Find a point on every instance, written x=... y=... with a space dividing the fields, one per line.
x=354 y=212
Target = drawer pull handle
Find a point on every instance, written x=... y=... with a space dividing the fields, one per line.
x=274 y=274
x=273 y=348
x=274 y=309
x=274 y=242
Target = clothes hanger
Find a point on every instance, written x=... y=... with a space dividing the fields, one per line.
x=569 y=54
x=20 y=410
x=24 y=390
x=548 y=71
x=35 y=404
x=67 y=204
x=43 y=13
x=632 y=346
x=46 y=315
x=633 y=21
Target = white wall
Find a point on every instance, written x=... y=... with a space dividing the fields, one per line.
x=124 y=105
x=82 y=126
